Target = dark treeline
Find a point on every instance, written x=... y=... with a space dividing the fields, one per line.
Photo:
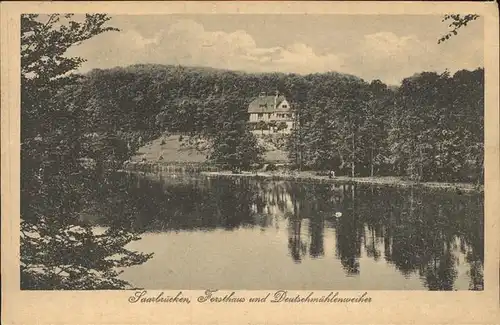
x=430 y=128
x=57 y=250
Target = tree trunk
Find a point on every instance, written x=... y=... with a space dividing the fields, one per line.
x=371 y=161
x=297 y=150
x=421 y=168
x=300 y=144
x=481 y=173
x=353 y=156
x=353 y=195
x=300 y=158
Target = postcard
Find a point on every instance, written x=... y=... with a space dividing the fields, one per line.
x=250 y=162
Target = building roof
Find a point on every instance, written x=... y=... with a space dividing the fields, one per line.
x=265 y=104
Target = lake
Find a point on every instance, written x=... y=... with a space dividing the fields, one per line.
x=208 y=232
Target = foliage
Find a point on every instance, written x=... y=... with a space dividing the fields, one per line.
x=58 y=250
x=437 y=127
x=338 y=126
x=342 y=122
x=457 y=22
x=232 y=142
x=430 y=128
x=262 y=125
x=281 y=126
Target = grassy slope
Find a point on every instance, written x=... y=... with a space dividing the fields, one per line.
x=172 y=152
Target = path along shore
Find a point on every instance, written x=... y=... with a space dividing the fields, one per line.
x=311 y=176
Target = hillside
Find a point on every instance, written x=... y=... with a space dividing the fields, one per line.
x=170 y=148
x=430 y=128
x=174 y=151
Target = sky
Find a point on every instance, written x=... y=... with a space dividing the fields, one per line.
x=385 y=47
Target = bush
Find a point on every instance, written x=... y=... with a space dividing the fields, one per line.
x=270 y=167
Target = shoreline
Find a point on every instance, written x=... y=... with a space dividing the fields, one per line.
x=383 y=180
x=304 y=176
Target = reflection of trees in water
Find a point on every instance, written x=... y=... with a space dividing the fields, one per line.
x=297 y=247
x=349 y=233
x=422 y=231
x=179 y=204
x=419 y=232
x=317 y=231
x=309 y=202
x=372 y=243
x=471 y=239
x=439 y=273
x=476 y=275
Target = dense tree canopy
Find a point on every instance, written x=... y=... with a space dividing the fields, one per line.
x=59 y=250
x=429 y=128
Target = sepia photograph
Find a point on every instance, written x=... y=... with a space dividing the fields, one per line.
x=252 y=152
x=250 y=162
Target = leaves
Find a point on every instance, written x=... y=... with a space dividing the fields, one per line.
x=58 y=250
x=457 y=22
x=434 y=126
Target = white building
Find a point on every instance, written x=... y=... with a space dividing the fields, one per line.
x=274 y=111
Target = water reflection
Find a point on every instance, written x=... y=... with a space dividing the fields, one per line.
x=427 y=234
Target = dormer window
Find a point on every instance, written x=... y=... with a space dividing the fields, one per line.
x=284 y=106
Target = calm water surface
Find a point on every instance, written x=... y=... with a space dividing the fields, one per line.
x=261 y=234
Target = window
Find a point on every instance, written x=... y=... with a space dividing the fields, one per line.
x=262 y=105
x=260 y=115
x=269 y=115
x=284 y=106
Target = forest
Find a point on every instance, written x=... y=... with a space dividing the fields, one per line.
x=430 y=128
